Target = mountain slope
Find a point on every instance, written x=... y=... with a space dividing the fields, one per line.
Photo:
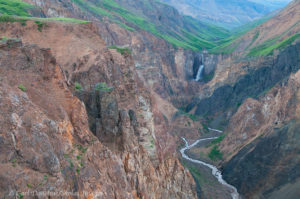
x=101 y=145
x=230 y=13
x=119 y=139
x=237 y=71
x=262 y=146
x=256 y=101
x=159 y=19
x=269 y=36
x=15 y=7
x=165 y=68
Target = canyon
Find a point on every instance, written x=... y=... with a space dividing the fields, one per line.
x=97 y=96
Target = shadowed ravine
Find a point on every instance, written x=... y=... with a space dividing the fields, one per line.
x=215 y=171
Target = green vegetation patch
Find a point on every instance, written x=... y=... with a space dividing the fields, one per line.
x=268 y=47
x=78 y=86
x=197 y=41
x=22 y=87
x=215 y=153
x=226 y=46
x=61 y=19
x=14 y=162
x=206 y=31
x=87 y=6
x=39 y=21
x=5 y=39
x=198 y=38
x=15 y=7
x=124 y=25
x=229 y=44
x=102 y=86
x=253 y=39
x=40 y=25
x=64 y=19
x=20 y=195
x=191 y=116
x=11 y=19
x=218 y=140
x=122 y=51
x=205 y=128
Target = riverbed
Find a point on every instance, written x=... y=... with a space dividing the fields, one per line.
x=214 y=170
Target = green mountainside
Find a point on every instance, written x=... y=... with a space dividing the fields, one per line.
x=266 y=35
x=157 y=18
x=15 y=7
x=17 y=10
x=162 y=21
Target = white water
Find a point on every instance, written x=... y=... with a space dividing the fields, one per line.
x=215 y=171
x=200 y=70
x=216 y=130
x=199 y=73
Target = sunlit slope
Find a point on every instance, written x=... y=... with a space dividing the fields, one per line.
x=159 y=19
x=275 y=34
x=15 y=7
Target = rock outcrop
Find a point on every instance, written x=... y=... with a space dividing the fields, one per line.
x=89 y=109
x=244 y=79
x=167 y=70
x=100 y=144
x=262 y=144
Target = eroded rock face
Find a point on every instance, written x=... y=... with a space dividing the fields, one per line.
x=87 y=61
x=166 y=70
x=262 y=145
x=269 y=166
x=245 y=79
x=47 y=145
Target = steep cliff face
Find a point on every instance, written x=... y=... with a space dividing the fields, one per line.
x=102 y=146
x=232 y=84
x=105 y=103
x=165 y=69
x=104 y=74
x=264 y=144
x=260 y=52
x=261 y=148
x=269 y=166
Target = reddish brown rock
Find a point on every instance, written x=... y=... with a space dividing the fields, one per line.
x=46 y=142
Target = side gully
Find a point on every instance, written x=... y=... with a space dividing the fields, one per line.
x=215 y=171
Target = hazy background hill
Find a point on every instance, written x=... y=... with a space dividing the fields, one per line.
x=229 y=13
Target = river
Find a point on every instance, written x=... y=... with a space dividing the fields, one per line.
x=215 y=171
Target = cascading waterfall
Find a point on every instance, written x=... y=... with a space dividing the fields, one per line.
x=200 y=70
x=199 y=73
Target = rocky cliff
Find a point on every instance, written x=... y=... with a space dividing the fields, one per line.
x=263 y=141
x=160 y=64
x=92 y=105
x=100 y=144
x=234 y=83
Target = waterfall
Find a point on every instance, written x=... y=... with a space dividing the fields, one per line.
x=199 y=73
x=200 y=70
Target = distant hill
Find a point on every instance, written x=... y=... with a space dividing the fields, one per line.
x=274 y=34
x=229 y=13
